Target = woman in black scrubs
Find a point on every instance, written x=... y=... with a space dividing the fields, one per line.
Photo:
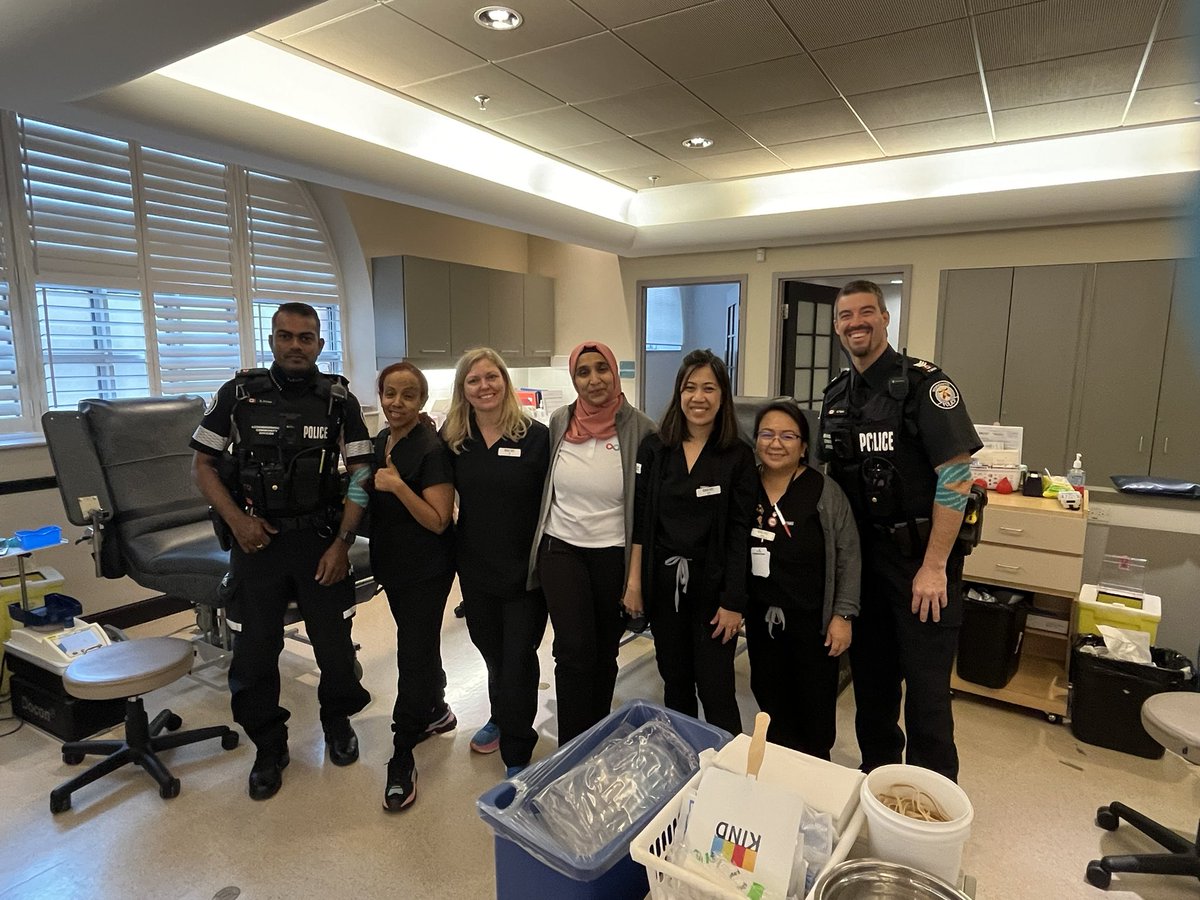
x=804 y=585
x=695 y=492
x=500 y=459
x=412 y=557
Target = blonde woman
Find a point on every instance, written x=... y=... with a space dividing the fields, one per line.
x=500 y=457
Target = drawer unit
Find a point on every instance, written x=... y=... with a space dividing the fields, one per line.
x=1051 y=573
x=1034 y=529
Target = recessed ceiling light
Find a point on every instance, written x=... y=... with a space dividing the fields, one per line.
x=698 y=143
x=498 y=18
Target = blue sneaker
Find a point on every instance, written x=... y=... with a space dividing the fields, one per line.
x=513 y=771
x=487 y=738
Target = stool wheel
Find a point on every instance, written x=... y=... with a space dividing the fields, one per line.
x=72 y=759
x=169 y=790
x=229 y=741
x=1107 y=819
x=59 y=802
x=1097 y=875
x=173 y=722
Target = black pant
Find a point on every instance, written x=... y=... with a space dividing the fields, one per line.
x=690 y=660
x=893 y=646
x=418 y=608
x=583 y=588
x=264 y=583
x=508 y=631
x=794 y=680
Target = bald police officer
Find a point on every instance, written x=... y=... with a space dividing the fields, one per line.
x=898 y=440
x=280 y=431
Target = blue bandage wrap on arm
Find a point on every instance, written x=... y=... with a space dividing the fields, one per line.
x=953 y=473
x=355 y=492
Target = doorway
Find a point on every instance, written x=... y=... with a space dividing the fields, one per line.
x=678 y=317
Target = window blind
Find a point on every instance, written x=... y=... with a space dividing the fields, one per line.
x=10 y=389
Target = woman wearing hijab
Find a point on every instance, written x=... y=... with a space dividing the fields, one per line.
x=582 y=544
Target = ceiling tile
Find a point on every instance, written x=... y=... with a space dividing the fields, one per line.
x=614 y=13
x=720 y=35
x=737 y=165
x=651 y=109
x=819 y=23
x=800 y=123
x=1040 y=31
x=609 y=155
x=726 y=139
x=983 y=6
x=1164 y=104
x=1067 y=117
x=945 y=99
x=830 y=151
x=552 y=129
x=928 y=137
x=894 y=60
x=668 y=173
x=510 y=96
x=546 y=23
x=1089 y=75
x=587 y=69
x=384 y=47
x=1171 y=62
x=1176 y=21
x=314 y=16
x=768 y=85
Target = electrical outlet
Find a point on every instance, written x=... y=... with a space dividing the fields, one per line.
x=1100 y=514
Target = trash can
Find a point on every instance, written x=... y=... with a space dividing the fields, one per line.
x=1107 y=695
x=989 y=642
x=533 y=866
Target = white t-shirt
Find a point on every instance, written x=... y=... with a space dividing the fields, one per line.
x=589 y=494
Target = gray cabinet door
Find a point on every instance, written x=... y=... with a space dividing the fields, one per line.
x=972 y=334
x=506 y=301
x=1177 y=435
x=1039 y=366
x=427 y=308
x=387 y=283
x=1131 y=302
x=469 y=311
x=539 y=317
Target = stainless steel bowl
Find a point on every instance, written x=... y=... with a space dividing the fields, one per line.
x=873 y=878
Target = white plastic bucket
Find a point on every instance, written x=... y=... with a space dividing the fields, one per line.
x=933 y=847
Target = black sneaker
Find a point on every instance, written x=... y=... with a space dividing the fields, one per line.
x=342 y=742
x=266 y=777
x=401 y=788
x=447 y=721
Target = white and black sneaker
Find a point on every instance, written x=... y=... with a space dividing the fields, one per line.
x=401 y=788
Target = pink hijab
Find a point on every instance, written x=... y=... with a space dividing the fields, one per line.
x=590 y=421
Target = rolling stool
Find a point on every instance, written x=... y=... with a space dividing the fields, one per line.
x=129 y=669
x=1173 y=719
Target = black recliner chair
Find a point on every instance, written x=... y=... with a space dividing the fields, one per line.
x=124 y=470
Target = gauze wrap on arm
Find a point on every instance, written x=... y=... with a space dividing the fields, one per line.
x=355 y=492
x=953 y=485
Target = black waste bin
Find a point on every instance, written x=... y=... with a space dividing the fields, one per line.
x=989 y=642
x=1107 y=695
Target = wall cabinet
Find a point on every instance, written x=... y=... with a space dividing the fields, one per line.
x=431 y=312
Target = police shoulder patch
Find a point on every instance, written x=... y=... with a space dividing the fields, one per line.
x=212 y=404
x=944 y=394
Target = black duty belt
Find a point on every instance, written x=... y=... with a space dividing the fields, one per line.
x=299 y=523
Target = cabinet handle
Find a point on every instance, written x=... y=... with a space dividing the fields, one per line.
x=513 y=351
x=1008 y=529
x=433 y=351
x=1009 y=568
x=1141 y=437
x=1165 y=444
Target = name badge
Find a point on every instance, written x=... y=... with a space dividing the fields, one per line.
x=709 y=490
x=637 y=468
x=760 y=562
x=762 y=534
x=509 y=451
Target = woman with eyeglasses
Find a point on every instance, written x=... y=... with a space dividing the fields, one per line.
x=804 y=585
x=695 y=493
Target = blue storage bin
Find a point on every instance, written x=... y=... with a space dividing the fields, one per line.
x=613 y=875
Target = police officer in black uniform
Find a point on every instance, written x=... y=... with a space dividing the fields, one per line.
x=266 y=458
x=898 y=440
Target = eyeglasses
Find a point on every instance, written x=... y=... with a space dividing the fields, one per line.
x=787 y=437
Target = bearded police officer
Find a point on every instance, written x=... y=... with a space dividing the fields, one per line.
x=266 y=458
x=898 y=440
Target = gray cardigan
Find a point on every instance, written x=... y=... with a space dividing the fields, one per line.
x=632 y=426
x=843 y=556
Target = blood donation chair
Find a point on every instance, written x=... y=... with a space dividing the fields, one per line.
x=124 y=469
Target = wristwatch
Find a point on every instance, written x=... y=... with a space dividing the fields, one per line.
x=348 y=537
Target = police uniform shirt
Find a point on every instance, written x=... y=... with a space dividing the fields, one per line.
x=499 y=497
x=402 y=549
x=218 y=430
x=797 y=560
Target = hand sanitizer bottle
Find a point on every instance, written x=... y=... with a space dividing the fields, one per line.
x=1075 y=474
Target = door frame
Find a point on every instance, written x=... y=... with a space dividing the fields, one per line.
x=774 y=362
x=641 y=286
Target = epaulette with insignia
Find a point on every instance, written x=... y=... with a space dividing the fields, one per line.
x=837 y=379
